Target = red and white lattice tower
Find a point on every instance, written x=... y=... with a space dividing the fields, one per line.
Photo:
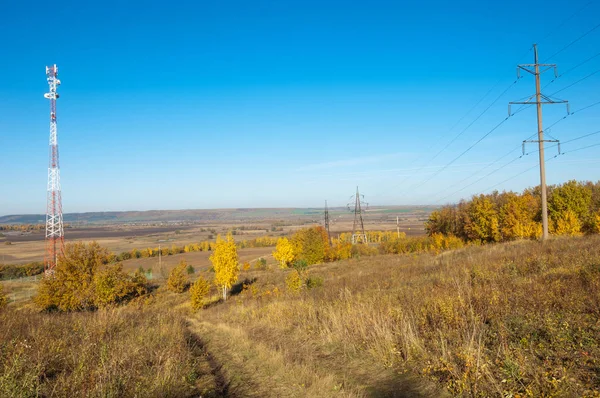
x=54 y=216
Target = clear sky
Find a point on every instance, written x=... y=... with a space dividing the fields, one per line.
x=174 y=105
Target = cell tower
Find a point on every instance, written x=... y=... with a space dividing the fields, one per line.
x=54 y=217
x=358 y=227
x=327 y=222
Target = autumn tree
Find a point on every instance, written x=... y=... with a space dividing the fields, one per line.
x=71 y=286
x=178 y=280
x=284 y=252
x=517 y=217
x=198 y=292
x=573 y=196
x=83 y=280
x=567 y=223
x=481 y=220
x=311 y=245
x=112 y=285
x=225 y=263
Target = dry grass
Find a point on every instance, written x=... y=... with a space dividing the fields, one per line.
x=138 y=350
x=518 y=319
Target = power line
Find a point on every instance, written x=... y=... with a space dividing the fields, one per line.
x=459 y=134
x=582 y=148
x=571 y=69
x=567 y=20
x=480 y=179
x=573 y=42
x=574 y=83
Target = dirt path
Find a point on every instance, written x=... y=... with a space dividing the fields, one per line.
x=243 y=367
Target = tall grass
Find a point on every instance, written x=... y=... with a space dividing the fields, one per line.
x=119 y=352
x=517 y=319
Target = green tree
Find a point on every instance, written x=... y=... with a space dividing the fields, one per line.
x=225 y=263
x=572 y=196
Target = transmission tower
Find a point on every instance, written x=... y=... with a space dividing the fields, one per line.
x=327 y=222
x=54 y=216
x=540 y=99
x=358 y=227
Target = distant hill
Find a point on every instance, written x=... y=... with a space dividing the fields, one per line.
x=160 y=216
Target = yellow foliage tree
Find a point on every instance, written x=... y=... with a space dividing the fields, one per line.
x=83 y=280
x=225 y=263
x=71 y=286
x=112 y=285
x=198 y=293
x=567 y=223
x=481 y=220
x=517 y=217
x=178 y=278
x=284 y=252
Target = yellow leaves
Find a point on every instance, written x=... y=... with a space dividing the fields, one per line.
x=284 y=252
x=567 y=223
x=178 y=278
x=198 y=293
x=82 y=280
x=112 y=285
x=225 y=263
x=481 y=221
x=294 y=281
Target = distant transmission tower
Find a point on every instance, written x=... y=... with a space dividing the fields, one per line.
x=327 y=222
x=358 y=227
x=54 y=217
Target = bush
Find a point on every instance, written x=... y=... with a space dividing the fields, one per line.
x=82 y=280
x=300 y=265
x=190 y=269
x=71 y=286
x=113 y=286
x=198 y=292
x=260 y=264
x=20 y=271
x=361 y=249
x=178 y=280
x=314 y=282
x=294 y=281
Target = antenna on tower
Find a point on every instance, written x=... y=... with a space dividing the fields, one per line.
x=327 y=222
x=358 y=227
x=54 y=216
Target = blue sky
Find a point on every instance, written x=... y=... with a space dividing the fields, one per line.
x=172 y=105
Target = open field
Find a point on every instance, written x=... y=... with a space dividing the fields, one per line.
x=511 y=319
x=27 y=247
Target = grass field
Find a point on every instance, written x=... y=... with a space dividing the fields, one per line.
x=514 y=319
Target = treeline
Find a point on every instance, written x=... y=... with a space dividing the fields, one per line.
x=573 y=209
x=20 y=271
x=311 y=246
x=26 y=227
x=204 y=246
